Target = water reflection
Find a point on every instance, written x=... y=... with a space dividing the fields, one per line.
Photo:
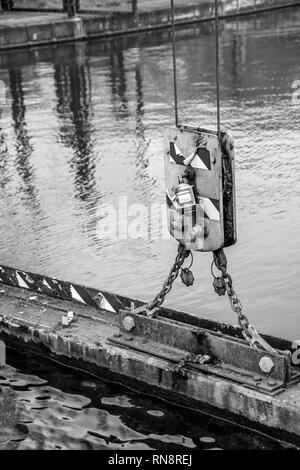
x=83 y=126
x=118 y=85
x=140 y=128
x=73 y=90
x=24 y=148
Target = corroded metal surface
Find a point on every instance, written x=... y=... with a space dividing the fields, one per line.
x=62 y=289
x=96 y=299
x=34 y=321
x=231 y=358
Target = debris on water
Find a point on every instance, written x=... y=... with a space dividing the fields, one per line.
x=156 y=413
x=120 y=400
x=207 y=440
x=87 y=383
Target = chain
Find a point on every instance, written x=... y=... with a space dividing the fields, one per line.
x=224 y=285
x=182 y=254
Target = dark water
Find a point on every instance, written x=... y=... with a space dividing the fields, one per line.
x=46 y=406
x=82 y=125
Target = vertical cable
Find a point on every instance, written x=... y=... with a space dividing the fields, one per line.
x=174 y=64
x=217 y=67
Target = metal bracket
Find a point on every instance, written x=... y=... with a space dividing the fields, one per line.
x=229 y=357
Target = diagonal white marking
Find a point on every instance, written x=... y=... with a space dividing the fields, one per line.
x=106 y=305
x=46 y=284
x=178 y=152
x=209 y=209
x=21 y=282
x=198 y=163
x=76 y=296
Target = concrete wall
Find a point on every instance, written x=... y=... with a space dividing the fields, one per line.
x=95 y=5
x=53 y=28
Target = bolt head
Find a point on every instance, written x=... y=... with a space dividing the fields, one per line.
x=128 y=323
x=266 y=365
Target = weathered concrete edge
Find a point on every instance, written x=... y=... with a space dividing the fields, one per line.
x=271 y=412
x=78 y=29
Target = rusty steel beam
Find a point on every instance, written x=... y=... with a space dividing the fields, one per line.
x=230 y=357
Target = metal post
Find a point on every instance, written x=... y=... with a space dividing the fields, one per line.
x=134 y=7
x=174 y=64
x=217 y=68
x=70 y=7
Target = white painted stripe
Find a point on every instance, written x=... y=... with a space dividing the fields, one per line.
x=106 y=305
x=210 y=210
x=21 y=282
x=198 y=163
x=46 y=284
x=178 y=152
x=75 y=295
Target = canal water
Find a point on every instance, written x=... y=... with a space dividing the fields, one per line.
x=81 y=130
x=81 y=133
x=48 y=406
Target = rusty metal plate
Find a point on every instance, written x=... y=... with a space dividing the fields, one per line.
x=231 y=358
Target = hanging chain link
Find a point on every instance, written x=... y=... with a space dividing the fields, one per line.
x=182 y=254
x=224 y=285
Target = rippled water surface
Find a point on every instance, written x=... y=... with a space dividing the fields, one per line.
x=81 y=124
x=59 y=408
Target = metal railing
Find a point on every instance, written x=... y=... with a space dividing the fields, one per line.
x=103 y=7
x=112 y=6
x=72 y=7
